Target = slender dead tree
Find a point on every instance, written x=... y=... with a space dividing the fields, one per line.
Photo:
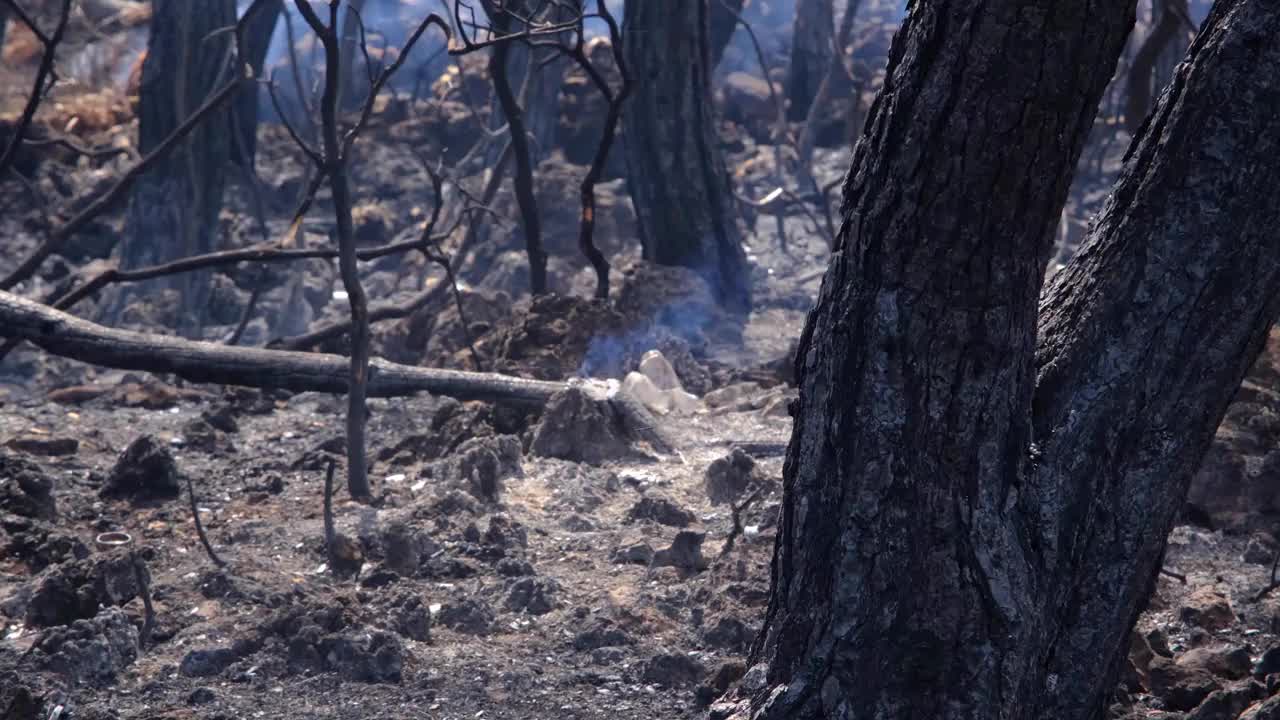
x=812 y=39
x=1171 y=21
x=981 y=480
x=332 y=160
x=676 y=171
x=724 y=22
x=504 y=21
x=173 y=211
x=258 y=33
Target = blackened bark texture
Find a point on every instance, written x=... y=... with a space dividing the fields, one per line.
x=257 y=38
x=173 y=211
x=724 y=22
x=534 y=80
x=1145 y=337
x=904 y=585
x=676 y=171
x=981 y=480
x=812 y=48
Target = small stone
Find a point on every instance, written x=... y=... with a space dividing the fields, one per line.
x=533 y=595
x=728 y=477
x=469 y=616
x=401 y=548
x=732 y=397
x=413 y=620
x=650 y=395
x=1229 y=702
x=637 y=553
x=1268 y=664
x=662 y=510
x=92 y=651
x=1220 y=660
x=346 y=557
x=145 y=470
x=1260 y=550
x=1266 y=710
x=208 y=663
x=673 y=670
x=25 y=489
x=654 y=365
x=1181 y=688
x=44 y=445
x=601 y=633
x=1209 y=609
x=201 y=696
x=575 y=427
x=685 y=552
x=1158 y=640
x=514 y=567
x=729 y=634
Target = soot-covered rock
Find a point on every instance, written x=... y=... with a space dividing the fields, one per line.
x=533 y=595
x=685 y=552
x=660 y=509
x=25 y=489
x=575 y=427
x=145 y=470
x=74 y=590
x=729 y=477
x=91 y=651
x=479 y=466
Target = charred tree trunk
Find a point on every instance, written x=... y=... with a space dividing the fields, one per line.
x=505 y=21
x=1167 y=26
x=724 y=22
x=812 y=48
x=257 y=37
x=675 y=168
x=981 y=482
x=174 y=208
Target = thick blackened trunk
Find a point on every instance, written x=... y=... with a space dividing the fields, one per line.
x=724 y=23
x=174 y=208
x=811 y=51
x=676 y=171
x=980 y=482
x=1145 y=337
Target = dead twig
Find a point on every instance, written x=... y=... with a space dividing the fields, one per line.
x=195 y=516
x=736 y=511
x=144 y=589
x=1275 y=581
x=44 y=74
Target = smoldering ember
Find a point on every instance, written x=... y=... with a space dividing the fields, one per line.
x=573 y=359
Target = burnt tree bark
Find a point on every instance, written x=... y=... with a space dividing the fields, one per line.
x=676 y=171
x=812 y=49
x=724 y=23
x=505 y=21
x=981 y=480
x=258 y=34
x=173 y=211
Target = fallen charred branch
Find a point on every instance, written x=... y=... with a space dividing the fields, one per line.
x=204 y=362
